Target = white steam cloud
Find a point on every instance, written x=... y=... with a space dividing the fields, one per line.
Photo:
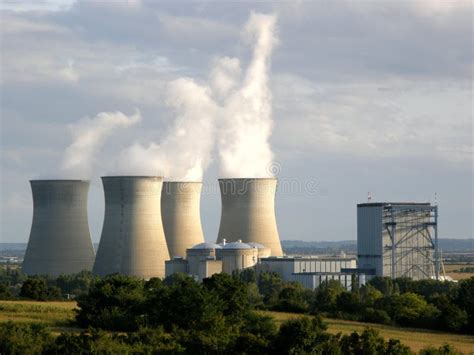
x=186 y=151
x=240 y=104
x=89 y=134
x=247 y=123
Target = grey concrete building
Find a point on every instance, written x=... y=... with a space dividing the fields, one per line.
x=248 y=212
x=398 y=239
x=60 y=240
x=132 y=241
x=287 y=267
x=180 y=211
x=238 y=256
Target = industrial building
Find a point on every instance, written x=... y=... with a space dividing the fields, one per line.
x=132 y=241
x=206 y=259
x=398 y=239
x=248 y=212
x=180 y=212
x=311 y=271
x=60 y=241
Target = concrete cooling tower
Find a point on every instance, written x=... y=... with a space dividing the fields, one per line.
x=248 y=212
x=60 y=241
x=133 y=241
x=180 y=202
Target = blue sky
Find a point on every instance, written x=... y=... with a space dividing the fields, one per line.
x=367 y=96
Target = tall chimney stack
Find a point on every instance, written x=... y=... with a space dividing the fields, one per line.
x=133 y=241
x=60 y=240
x=248 y=212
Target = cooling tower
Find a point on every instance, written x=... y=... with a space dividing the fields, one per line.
x=181 y=216
x=60 y=241
x=132 y=241
x=248 y=212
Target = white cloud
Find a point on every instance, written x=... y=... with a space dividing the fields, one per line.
x=36 y=5
x=361 y=120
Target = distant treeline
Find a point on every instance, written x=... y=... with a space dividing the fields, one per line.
x=350 y=246
x=297 y=246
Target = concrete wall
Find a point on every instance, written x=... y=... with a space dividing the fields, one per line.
x=180 y=211
x=287 y=267
x=133 y=240
x=238 y=259
x=209 y=267
x=176 y=265
x=60 y=241
x=248 y=212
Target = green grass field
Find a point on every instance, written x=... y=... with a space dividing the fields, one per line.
x=59 y=315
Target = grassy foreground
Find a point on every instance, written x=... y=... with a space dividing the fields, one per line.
x=58 y=316
x=416 y=339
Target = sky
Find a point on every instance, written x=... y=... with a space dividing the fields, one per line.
x=366 y=97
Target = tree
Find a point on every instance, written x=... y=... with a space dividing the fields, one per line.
x=233 y=294
x=369 y=295
x=442 y=350
x=36 y=288
x=17 y=338
x=325 y=296
x=293 y=298
x=114 y=303
x=465 y=301
x=256 y=335
x=452 y=317
x=383 y=284
x=75 y=284
x=184 y=303
x=269 y=284
x=349 y=302
x=410 y=309
x=301 y=336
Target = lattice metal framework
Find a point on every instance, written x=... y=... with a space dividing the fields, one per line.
x=410 y=239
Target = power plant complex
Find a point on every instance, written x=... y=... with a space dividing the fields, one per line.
x=153 y=228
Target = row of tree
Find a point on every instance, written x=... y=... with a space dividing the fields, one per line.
x=179 y=315
x=431 y=304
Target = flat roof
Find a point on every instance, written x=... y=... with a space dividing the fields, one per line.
x=299 y=258
x=379 y=204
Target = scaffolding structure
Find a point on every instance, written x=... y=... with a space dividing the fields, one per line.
x=410 y=241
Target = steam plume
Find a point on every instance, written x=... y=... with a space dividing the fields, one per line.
x=247 y=123
x=243 y=106
x=185 y=152
x=89 y=135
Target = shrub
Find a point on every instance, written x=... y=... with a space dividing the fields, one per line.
x=113 y=303
x=36 y=288
x=18 y=338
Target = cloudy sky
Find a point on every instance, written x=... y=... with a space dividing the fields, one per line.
x=367 y=97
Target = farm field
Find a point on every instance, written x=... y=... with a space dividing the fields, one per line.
x=451 y=270
x=416 y=339
x=58 y=317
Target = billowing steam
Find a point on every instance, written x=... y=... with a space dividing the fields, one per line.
x=246 y=126
x=89 y=134
x=240 y=105
x=186 y=151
